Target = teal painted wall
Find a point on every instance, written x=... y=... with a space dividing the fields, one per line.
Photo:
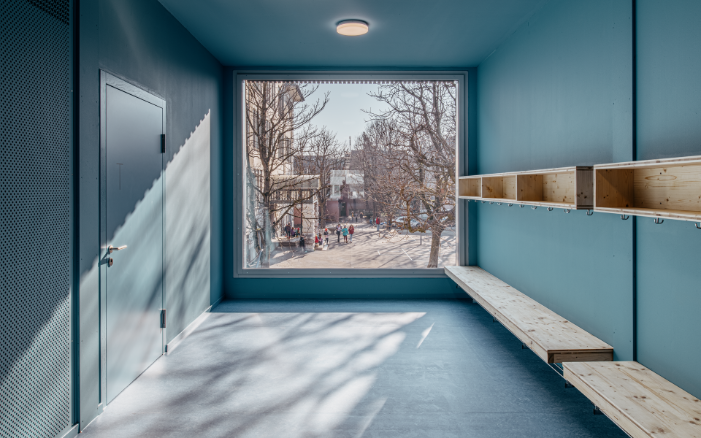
x=559 y=92
x=669 y=125
x=140 y=41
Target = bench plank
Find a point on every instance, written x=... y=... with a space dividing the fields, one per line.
x=641 y=402
x=553 y=338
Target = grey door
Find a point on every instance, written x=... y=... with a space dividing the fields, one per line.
x=134 y=218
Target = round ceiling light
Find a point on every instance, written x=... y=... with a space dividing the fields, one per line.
x=352 y=27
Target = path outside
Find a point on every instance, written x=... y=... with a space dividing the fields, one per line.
x=370 y=249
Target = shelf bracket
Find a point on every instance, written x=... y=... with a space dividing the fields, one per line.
x=624 y=217
x=658 y=221
x=590 y=212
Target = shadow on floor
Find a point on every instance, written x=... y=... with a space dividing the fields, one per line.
x=351 y=369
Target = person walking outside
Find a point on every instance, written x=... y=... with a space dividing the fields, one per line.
x=345 y=233
x=377 y=221
x=351 y=230
x=326 y=235
x=287 y=230
x=338 y=232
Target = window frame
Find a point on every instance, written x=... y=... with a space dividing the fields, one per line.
x=239 y=184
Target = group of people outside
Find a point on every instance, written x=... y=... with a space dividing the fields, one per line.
x=291 y=231
x=340 y=230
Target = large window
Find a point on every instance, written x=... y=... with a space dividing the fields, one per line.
x=349 y=174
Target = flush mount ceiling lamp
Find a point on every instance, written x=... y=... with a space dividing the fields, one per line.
x=352 y=27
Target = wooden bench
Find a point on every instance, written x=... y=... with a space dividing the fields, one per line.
x=641 y=402
x=551 y=337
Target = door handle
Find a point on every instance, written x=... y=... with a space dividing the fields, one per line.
x=116 y=248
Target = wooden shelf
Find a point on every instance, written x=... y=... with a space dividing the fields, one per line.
x=567 y=187
x=553 y=338
x=642 y=403
x=668 y=188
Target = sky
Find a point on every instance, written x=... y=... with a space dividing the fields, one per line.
x=343 y=114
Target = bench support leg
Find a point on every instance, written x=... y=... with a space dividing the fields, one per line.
x=568 y=384
x=597 y=411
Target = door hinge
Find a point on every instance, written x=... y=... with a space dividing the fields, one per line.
x=163 y=318
x=163 y=143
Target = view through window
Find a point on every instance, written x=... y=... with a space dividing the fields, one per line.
x=350 y=174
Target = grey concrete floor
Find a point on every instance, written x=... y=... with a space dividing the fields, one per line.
x=350 y=369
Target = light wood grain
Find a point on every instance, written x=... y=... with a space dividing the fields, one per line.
x=529 y=187
x=559 y=187
x=668 y=188
x=509 y=187
x=613 y=188
x=683 y=161
x=549 y=335
x=641 y=402
x=470 y=186
x=492 y=187
x=682 y=215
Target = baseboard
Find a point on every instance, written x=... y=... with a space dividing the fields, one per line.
x=170 y=346
x=70 y=433
x=342 y=288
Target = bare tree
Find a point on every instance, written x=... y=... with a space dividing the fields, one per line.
x=275 y=111
x=323 y=153
x=422 y=117
x=385 y=185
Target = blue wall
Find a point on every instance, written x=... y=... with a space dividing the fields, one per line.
x=559 y=92
x=144 y=44
x=669 y=125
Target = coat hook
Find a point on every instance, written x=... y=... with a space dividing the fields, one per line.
x=567 y=210
x=697 y=225
x=522 y=206
x=658 y=220
x=498 y=203
x=534 y=207
x=550 y=209
x=510 y=205
x=590 y=212
x=482 y=202
x=490 y=202
x=624 y=217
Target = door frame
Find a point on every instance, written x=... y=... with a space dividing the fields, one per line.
x=109 y=79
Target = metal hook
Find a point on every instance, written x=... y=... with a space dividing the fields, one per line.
x=567 y=210
x=522 y=206
x=550 y=209
x=534 y=207
x=498 y=203
x=482 y=202
x=658 y=220
x=490 y=202
x=697 y=226
x=624 y=217
x=590 y=212
x=510 y=205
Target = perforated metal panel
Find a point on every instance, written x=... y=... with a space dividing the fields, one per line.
x=35 y=335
